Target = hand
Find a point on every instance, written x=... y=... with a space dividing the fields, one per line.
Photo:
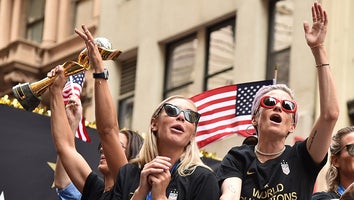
x=153 y=172
x=94 y=55
x=159 y=183
x=316 y=35
x=60 y=79
x=74 y=111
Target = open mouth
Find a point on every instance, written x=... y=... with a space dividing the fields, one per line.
x=276 y=118
x=179 y=128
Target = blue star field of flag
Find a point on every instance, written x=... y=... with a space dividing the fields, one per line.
x=245 y=94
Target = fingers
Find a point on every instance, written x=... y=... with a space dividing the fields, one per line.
x=160 y=177
x=89 y=38
x=161 y=162
x=86 y=35
x=55 y=71
x=74 y=99
x=325 y=18
x=306 y=27
x=159 y=182
x=318 y=14
x=156 y=173
x=158 y=165
x=73 y=102
x=58 y=77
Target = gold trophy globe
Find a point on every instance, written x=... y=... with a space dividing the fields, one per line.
x=29 y=94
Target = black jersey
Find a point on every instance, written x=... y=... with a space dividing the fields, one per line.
x=325 y=196
x=292 y=175
x=94 y=188
x=201 y=184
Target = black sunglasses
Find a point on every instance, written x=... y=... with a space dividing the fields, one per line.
x=173 y=111
x=350 y=149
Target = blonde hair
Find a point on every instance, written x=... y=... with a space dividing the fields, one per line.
x=190 y=158
x=332 y=175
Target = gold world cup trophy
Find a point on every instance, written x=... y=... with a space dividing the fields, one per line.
x=28 y=94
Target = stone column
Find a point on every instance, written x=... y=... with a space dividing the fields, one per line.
x=50 y=23
x=5 y=21
x=65 y=20
x=16 y=20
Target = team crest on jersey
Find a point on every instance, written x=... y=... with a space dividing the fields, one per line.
x=173 y=195
x=285 y=167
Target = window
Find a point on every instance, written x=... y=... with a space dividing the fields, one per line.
x=125 y=112
x=220 y=54
x=127 y=87
x=280 y=38
x=35 y=20
x=350 y=106
x=180 y=65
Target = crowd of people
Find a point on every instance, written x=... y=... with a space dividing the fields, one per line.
x=167 y=165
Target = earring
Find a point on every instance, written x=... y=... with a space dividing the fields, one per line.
x=248 y=131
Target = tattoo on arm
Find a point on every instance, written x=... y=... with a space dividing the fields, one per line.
x=232 y=188
x=312 y=139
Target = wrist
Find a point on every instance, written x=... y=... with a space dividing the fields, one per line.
x=318 y=50
x=104 y=74
x=322 y=65
x=138 y=194
x=160 y=197
x=316 y=46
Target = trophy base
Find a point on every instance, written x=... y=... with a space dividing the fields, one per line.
x=25 y=96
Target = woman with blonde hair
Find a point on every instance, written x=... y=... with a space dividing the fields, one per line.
x=168 y=165
x=340 y=174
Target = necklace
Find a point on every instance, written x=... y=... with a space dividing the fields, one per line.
x=108 y=189
x=268 y=154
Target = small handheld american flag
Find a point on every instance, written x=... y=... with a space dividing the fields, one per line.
x=74 y=86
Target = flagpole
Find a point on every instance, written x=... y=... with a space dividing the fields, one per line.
x=71 y=85
x=275 y=74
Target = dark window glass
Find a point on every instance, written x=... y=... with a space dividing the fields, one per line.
x=127 y=88
x=280 y=38
x=180 y=66
x=220 y=54
x=35 y=20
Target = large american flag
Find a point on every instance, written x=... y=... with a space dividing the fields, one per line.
x=74 y=86
x=225 y=111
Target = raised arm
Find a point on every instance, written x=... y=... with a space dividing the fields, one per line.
x=74 y=164
x=320 y=136
x=61 y=178
x=106 y=117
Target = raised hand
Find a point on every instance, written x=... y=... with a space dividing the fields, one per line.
x=60 y=78
x=95 y=58
x=74 y=111
x=315 y=35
